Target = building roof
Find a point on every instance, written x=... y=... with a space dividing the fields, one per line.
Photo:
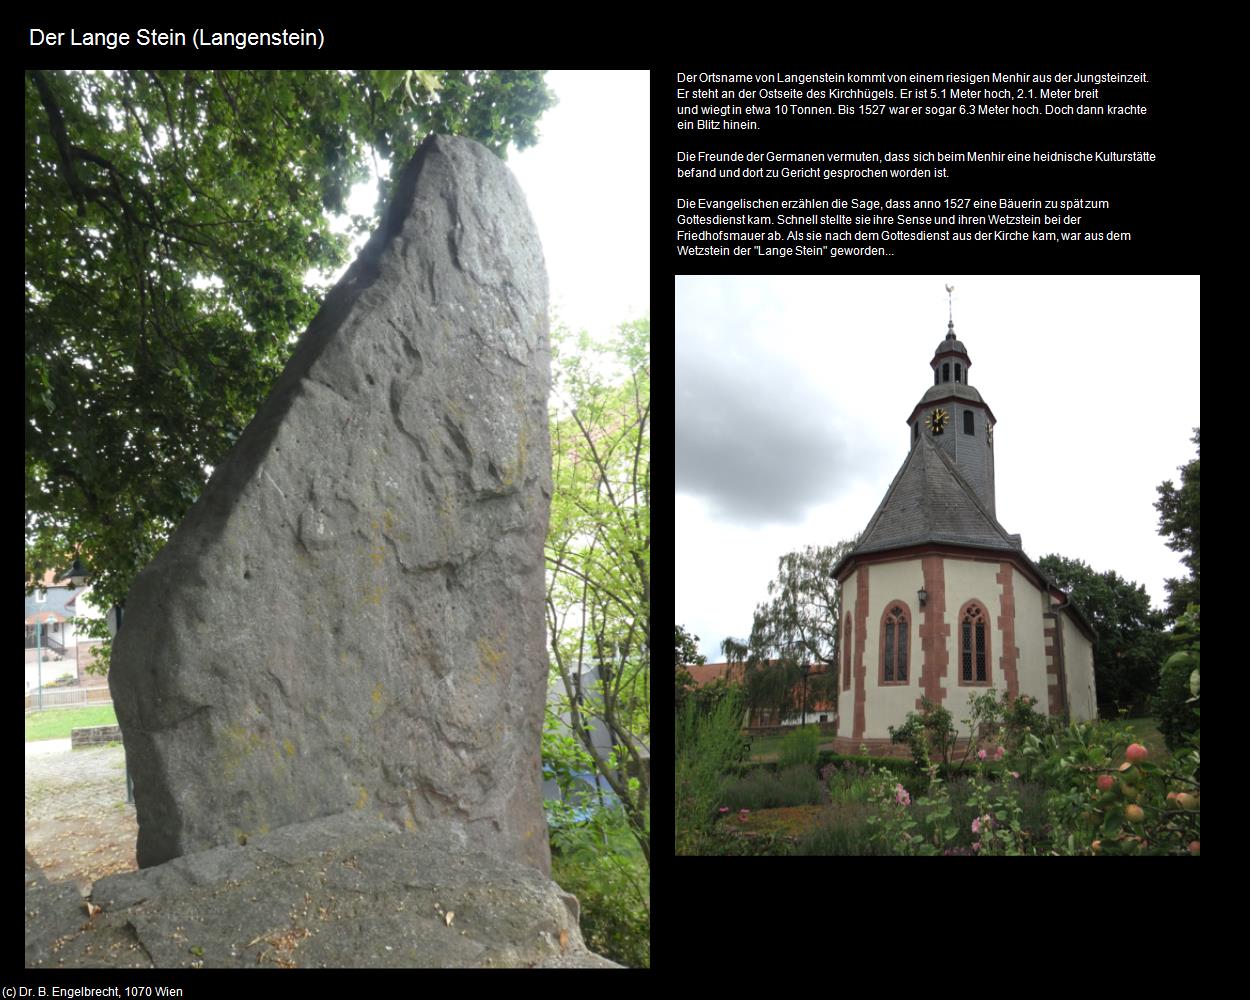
x=929 y=501
x=959 y=390
x=705 y=673
x=44 y=617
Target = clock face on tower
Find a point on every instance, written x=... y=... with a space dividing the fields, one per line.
x=937 y=421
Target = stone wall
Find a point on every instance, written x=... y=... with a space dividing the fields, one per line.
x=94 y=736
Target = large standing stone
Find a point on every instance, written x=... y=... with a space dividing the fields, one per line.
x=351 y=616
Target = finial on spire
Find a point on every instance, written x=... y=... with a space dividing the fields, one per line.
x=950 y=326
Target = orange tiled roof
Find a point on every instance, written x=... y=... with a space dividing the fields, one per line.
x=44 y=616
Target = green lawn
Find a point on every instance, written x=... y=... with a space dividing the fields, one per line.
x=1147 y=731
x=765 y=748
x=55 y=724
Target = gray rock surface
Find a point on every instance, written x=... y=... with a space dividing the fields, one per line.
x=350 y=617
x=346 y=891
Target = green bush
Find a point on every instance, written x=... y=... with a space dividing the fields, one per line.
x=709 y=743
x=929 y=734
x=848 y=782
x=904 y=770
x=792 y=786
x=1175 y=705
x=800 y=746
x=600 y=863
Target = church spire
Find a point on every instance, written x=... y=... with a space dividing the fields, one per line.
x=953 y=416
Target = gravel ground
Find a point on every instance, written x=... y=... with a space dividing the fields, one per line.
x=79 y=826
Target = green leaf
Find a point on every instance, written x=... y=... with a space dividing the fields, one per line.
x=429 y=79
x=387 y=80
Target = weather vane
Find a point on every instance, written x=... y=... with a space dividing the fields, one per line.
x=949 y=305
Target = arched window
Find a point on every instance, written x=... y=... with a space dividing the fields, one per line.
x=974 y=644
x=936 y=376
x=846 y=653
x=915 y=431
x=968 y=422
x=958 y=372
x=895 y=635
x=946 y=371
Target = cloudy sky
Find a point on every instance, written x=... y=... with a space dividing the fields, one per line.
x=587 y=184
x=793 y=395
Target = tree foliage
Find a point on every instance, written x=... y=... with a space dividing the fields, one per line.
x=1176 y=704
x=171 y=218
x=1130 y=638
x=799 y=624
x=1179 y=521
x=599 y=556
x=686 y=650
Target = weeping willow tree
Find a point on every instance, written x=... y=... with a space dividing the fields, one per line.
x=797 y=629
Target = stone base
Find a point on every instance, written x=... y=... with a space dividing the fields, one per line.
x=345 y=891
x=90 y=736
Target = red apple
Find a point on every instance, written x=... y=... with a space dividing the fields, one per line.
x=1136 y=753
x=1134 y=813
x=1106 y=782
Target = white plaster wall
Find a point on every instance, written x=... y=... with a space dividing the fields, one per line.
x=968 y=580
x=846 y=698
x=1079 y=662
x=888 y=706
x=1030 y=640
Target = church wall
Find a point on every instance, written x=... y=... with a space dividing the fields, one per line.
x=888 y=705
x=1079 y=662
x=846 y=696
x=968 y=580
x=1031 y=640
x=880 y=584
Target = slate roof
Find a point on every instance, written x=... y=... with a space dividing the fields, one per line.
x=951 y=344
x=929 y=501
x=944 y=390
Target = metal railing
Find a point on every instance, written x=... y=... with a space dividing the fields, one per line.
x=47 y=642
x=56 y=698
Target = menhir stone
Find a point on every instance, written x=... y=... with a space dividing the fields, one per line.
x=351 y=616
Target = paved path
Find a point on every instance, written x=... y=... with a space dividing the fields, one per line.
x=79 y=825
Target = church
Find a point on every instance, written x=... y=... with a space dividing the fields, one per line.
x=938 y=599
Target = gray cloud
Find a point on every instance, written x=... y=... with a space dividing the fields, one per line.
x=752 y=439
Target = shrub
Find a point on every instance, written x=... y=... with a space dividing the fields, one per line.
x=709 y=743
x=1174 y=705
x=612 y=885
x=801 y=746
x=929 y=732
x=792 y=786
x=844 y=833
x=848 y=782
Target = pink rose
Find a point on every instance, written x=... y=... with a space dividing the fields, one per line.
x=976 y=825
x=724 y=809
x=980 y=755
x=998 y=754
x=901 y=796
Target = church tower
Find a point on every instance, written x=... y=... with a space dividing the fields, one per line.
x=957 y=418
x=939 y=600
